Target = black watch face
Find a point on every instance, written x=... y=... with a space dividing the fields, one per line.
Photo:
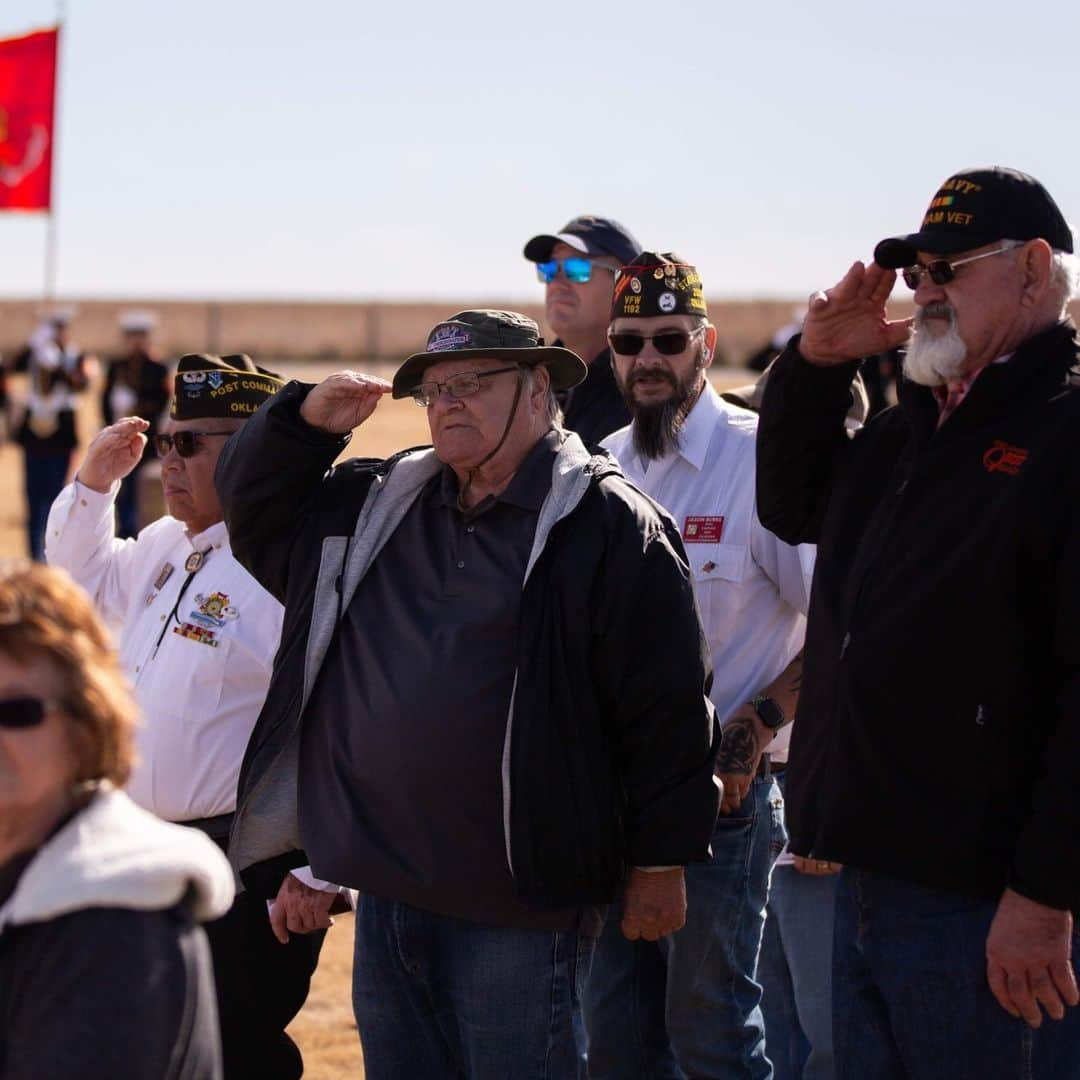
x=772 y=716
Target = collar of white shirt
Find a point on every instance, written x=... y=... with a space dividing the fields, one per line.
x=215 y=536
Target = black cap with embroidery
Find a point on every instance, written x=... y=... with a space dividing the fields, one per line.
x=657 y=285
x=978 y=207
x=220 y=386
x=504 y=334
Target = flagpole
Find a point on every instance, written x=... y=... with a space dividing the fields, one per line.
x=51 y=228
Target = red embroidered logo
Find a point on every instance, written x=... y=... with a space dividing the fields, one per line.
x=1002 y=457
x=703 y=530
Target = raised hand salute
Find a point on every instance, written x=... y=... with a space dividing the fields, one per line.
x=113 y=453
x=343 y=401
x=849 y=321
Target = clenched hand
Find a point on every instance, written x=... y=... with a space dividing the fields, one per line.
x=654 y=904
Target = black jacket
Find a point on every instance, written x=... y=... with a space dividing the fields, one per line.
x=938 y=733
x=611 y=736
x=596 y=408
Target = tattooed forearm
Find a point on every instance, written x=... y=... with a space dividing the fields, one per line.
x=738 y=747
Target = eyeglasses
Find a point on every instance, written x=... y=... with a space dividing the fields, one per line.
x=21 y=712
x=942 y=271
x=667 y=342
x=186 y=442
x=457 y=386
x=577 y=268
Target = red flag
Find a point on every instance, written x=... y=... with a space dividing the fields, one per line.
x=27 y=85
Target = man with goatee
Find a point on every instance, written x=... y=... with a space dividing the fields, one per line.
x=937 y=752
x=689 y=1004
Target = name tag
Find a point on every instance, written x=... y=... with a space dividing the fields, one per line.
x=703 y=530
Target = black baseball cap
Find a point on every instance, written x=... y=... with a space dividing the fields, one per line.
x=491 y=333
x=978 y=207
x=589 y=234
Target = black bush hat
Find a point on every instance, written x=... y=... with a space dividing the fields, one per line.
x=220 y=386
x=490 y=333
x=978 y=207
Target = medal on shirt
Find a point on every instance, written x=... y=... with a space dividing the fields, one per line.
x=159 y=582
x=194 y=561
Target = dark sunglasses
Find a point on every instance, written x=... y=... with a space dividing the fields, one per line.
x=942 y=271
x=577 y=268
x=21 y=712
x=186 y=442
x=667 y=342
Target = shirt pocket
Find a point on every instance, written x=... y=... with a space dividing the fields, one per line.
x=714 y=568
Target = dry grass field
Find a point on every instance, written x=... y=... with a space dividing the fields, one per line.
x=325 y=1029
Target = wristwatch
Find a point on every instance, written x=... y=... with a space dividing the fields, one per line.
x=769 y=713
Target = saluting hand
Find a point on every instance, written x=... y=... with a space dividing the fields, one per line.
x=849 y=321
x=343 y=401
x=113 y=453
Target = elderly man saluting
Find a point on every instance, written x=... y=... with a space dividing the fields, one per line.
x=490 y=700
x=197 y=639
x=937 y=748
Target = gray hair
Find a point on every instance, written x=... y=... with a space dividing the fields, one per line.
x=554 y=409
x=1065 y=275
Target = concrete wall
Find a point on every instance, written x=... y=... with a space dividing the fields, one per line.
x=351 y=332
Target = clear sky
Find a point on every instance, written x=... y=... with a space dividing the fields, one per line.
x=368 y=149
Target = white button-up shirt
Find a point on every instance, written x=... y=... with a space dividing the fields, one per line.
x=752 y=589
x=200 y=671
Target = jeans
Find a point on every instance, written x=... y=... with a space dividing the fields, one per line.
x=910 y=995
x=688 y=1005
x=795 y=972
x=45 y=476
x=441 y=998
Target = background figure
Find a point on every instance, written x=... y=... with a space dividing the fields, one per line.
x=577 y=266
x=56 y=373
x=103 y=970
x=136 y=384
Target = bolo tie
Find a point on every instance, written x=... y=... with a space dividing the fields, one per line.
x=193 y=564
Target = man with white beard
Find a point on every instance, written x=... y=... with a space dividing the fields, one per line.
x=937 y=749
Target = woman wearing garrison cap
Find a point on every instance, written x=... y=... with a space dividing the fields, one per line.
x=197 y=638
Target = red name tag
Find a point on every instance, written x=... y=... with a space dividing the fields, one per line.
x=703 y=530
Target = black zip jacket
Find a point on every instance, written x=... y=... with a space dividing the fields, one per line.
x=596 y=408
x=611 y=736
x=938 y=734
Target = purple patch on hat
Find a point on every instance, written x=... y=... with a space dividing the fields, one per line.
x=447 y=338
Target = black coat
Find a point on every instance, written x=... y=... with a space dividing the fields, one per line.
x=938 y=733
x=613 y=739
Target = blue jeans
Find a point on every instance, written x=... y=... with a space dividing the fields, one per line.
x=45 y=476
x=795 y=972
x=910 y=996
x=436 y=997
x=688 y=1005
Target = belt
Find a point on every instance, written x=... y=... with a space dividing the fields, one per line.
x=217 y=828
x=767 y=767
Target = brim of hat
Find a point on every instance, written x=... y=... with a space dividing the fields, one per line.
x=539 y=248
x=898 y=251
x=566 y=368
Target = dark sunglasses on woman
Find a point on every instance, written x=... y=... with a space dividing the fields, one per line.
x=21 y=712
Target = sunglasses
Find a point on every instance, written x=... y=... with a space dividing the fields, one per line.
x=577 y=268
x=186 y=442
x=21 y=712
x=457 y=386
x=667 y=342
x=942 y=271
